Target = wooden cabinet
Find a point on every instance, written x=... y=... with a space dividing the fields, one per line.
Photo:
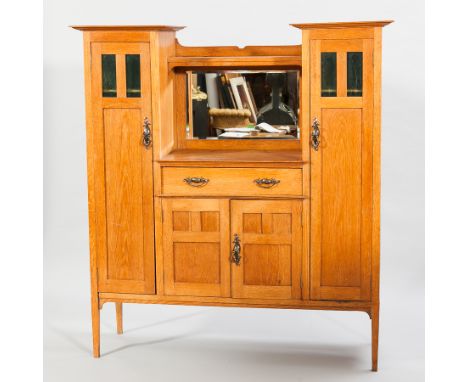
x=198 y=235
x=181 y=213
x=122 y=167
x=342 y=111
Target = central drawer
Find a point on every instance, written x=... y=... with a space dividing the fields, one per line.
x=204 y=181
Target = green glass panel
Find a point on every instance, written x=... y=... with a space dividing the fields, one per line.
x=328 y=69
x=109 y=77
x=354 y=72
x=132 y=73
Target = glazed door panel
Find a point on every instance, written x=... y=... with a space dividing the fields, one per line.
x=341 y=169
x=196 y=247
x=270 y=238
x=123 y=167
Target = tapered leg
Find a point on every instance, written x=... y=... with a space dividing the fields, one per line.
x=96 y=322
x=118 y=313
x=375 y=336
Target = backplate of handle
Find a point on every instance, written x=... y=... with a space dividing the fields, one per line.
x=146 y=133
x=196 y=181
x=266 y=182
x=315 y=134
x=235 y=254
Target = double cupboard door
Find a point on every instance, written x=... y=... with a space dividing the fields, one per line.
x=232 y=248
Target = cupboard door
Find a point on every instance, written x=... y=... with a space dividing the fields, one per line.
x=196 y=247
x=270 y=239
x=341 y=168
x=123 y=191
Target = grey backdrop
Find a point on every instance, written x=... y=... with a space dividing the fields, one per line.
x=211 y=344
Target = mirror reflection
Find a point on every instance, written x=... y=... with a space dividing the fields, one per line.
x=241 y=104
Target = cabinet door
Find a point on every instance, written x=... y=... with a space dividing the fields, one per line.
x=121 y=100
x=196 y=247
x=270 y=238
x=341 y=168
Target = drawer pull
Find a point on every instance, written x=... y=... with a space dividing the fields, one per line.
x=196 y=182
x=266 y=182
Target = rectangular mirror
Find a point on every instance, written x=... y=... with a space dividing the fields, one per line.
x=242 y=104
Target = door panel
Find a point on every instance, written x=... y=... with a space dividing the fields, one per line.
x=341 y=197
x=270 y=234
x=341 y=169
x=196 y=247
x=123 y=168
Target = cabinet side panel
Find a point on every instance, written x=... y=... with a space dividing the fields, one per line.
x=376 y=138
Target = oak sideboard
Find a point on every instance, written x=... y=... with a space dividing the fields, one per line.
x=193 y=201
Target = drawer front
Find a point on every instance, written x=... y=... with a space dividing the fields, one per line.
x=188 y=181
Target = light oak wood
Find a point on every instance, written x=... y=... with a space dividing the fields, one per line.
x=238 y=302
x=376 y=142
x=162 y=47
x=346 y=25
x=234 y=51
x=126 y=28
x=118 y=36
x=342 y=205
x=360 y=278
x=123 y=178
x=196 y=247
x=340 y=33
x=231 y=181
x=375 y=312
x=270 y=235
x=285 y=62
x=118 y=315
x=243 y=144
x=92 y=214
x=310 y=242
x=233 y=158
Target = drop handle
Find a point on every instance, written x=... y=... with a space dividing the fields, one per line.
x=315 y=134
x=266 y=182
x=235 y=254
x=146 y=133
x=196 y=181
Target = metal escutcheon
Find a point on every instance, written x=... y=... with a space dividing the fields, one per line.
x=235 y=255
x=146 y=133
x=315 y=134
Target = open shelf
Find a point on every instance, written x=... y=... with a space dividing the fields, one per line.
x=232 y=158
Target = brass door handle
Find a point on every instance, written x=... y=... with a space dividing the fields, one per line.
x=267 y=182
x=196 y=182
x=146 y=133
x=235 y=254
x=315 y=134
